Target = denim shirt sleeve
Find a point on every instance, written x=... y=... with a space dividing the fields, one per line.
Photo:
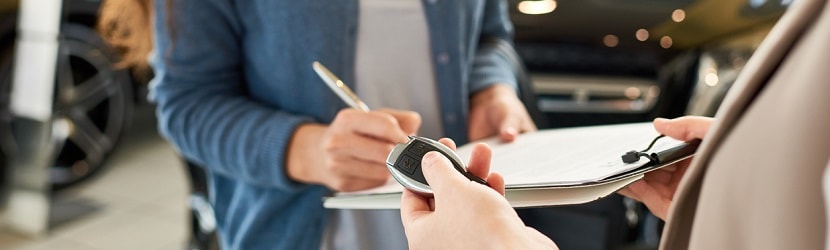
x=202 y=104
x=488 y=67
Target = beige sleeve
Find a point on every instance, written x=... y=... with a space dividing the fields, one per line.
x=826 y=187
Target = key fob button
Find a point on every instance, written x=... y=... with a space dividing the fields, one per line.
x=418 y=148
x=408 y=164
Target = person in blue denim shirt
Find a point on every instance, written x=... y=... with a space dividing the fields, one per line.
x=235 y=93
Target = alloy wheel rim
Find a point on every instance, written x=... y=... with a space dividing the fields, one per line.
x=88 y=112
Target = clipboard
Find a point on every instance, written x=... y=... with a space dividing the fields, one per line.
x=554 y=166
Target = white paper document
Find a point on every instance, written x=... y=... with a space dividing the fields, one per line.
x=548 y=167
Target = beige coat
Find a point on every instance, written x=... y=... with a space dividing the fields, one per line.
x=756 y=182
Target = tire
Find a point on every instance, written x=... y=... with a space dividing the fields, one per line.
x=6 y=147
x=93 y=105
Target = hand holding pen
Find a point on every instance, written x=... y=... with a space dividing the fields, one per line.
x=350 y=153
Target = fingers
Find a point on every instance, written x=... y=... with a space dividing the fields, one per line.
x=529 y=125
x=351 y=184
x=360 y=147
x=628 y=193
x=478 y=131
x=515 y=122
x=479 y=164
x=659 y=205
x=509 y=129
x=408 y=121
x=448 y=142
x=357 y=169
x=496 y=182
x=502 y=123
x=480 y=160
x=497 y=111
x=685 y=128
x=380 y=125
x=356 y=144
x=509 y=133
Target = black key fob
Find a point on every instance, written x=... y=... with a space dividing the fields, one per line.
x=404 y=162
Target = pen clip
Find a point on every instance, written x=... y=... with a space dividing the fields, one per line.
x=338 y=87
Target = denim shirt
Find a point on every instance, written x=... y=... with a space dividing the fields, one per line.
x=234 y=80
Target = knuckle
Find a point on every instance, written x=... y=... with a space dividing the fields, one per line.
x=330 y=146
x=388 y=124
x=344 y=116
x=687 y=134
x=336 y=166
x=389 y=120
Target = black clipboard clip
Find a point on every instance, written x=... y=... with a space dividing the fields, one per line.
x=668 y=155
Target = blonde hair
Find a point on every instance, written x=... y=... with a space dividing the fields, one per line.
x=126 y=26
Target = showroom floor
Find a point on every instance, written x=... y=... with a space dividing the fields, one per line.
x=138 y=202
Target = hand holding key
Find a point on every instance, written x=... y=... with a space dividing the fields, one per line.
x=461 y=211
x=404 y=162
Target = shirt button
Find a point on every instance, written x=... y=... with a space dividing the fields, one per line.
x=450 y=118
x=443 y=58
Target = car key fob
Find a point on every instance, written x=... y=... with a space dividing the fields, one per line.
x=404 y=162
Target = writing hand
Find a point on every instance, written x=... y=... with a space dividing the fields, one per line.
x=350 y=153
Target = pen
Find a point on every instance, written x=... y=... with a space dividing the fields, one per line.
x=339 y=87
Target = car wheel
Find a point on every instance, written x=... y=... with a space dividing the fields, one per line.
x=5 y=124
x=93 y=105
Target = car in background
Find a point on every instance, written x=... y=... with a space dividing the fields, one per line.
x=5 y=116
x=606 y=61
x=593 y=62
x=93 y=99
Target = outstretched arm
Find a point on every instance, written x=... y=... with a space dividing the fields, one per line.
x=495 y=109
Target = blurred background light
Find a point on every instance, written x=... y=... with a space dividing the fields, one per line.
x=536 y=7
x=611 y=41
x=666 y=42
x=711 y=79
x=678 y=15
x=632 y=93
x=641 y=35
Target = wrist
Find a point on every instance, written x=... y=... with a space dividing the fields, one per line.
x=494 y=91
x=515 y=235
x=303 y=153
x=531 y=239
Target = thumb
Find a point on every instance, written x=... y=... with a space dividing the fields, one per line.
x=440 y=174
